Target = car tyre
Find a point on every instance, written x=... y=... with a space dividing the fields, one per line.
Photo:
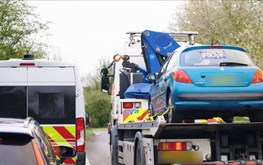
x=227 y=119
x=150 y=107
x=172 y=117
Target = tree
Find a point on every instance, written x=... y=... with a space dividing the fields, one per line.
x=224 y=22
x=18 y=25
x=97 y=104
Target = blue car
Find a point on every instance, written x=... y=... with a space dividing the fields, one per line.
x=198 y=82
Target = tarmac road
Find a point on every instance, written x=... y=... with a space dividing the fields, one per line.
x=97 y=149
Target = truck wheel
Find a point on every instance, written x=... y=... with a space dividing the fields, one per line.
x=114 y=147
x=139 y=154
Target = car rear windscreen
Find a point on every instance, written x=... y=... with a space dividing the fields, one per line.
x=213 y=57
x=16 y=149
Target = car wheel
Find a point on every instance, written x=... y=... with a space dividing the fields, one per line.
x=150 y=107
x=227 y=119
x=172 y=117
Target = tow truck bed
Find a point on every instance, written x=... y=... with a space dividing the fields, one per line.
x=159 y=129
x=236 y=141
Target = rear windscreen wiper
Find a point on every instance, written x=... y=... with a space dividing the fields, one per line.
x=232 y=64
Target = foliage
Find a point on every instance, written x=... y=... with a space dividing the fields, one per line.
x=98 y=107
x=97 y=103
x=18 y=25
x=224 y=22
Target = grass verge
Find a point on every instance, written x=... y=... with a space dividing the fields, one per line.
x=90 y=132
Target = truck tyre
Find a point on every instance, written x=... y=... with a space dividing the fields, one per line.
x=139 y=155
x=114 y=146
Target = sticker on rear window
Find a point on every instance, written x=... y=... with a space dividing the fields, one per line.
x=212 y=54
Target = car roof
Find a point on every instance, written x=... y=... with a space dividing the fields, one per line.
x=17 y=126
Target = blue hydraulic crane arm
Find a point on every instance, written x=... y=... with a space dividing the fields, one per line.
x=156 y=47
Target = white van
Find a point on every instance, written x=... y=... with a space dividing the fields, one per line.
x=51 y=93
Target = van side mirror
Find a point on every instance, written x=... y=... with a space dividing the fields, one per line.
x=105 y=83
x=151 y=77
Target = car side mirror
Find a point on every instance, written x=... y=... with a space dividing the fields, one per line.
x=151 y=77
x=66 y=152
x=105 y=83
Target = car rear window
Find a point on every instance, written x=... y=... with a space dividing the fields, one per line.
x=213 y=57
x=16 y=149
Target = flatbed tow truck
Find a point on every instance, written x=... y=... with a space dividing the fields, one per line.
x=136 y=138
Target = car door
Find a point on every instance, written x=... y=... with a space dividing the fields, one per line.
x=158 y=91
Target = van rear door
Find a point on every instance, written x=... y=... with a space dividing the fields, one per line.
x=52 y=102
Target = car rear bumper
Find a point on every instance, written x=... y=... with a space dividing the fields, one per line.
x=220 y=96
x=207 y=109
x=219 y=105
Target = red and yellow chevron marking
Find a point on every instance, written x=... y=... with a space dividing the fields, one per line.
x=134 y=115
x=61 y=136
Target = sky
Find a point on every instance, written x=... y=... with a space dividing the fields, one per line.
x=84 y=32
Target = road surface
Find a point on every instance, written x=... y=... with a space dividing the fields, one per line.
x=97 y=149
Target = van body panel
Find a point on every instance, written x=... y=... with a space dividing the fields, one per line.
x=13 y=76
x=52 y=76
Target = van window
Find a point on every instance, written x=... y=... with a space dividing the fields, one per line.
x=13 y=101
x=52 y=104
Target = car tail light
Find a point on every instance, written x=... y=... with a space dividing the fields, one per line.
x=80 y=134
x=179 y=75
x=127 y=105
x=27 y=64
x=258 y=76
x=174 y=146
